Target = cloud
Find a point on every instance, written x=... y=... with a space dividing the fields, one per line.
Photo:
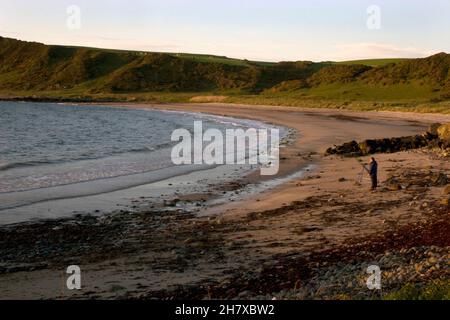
x=378 y=51
x=7 y=33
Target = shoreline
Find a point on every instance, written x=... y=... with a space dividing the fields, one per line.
x=126 y=186
x=392 y=106
x=301 y=155
x=153 y=254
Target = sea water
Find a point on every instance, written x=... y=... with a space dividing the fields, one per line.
x=51 y=152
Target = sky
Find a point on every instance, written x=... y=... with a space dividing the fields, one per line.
x=275 y=30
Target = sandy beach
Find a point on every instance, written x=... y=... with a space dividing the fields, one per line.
x=310 y=236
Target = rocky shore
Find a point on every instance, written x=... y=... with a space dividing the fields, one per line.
x=414 y=256
x=231 y=258
x=437 y=136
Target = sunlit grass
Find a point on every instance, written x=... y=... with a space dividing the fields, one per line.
x=434 y=290
x=372 y=62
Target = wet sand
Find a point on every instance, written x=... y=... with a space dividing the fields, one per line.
x=281 y=239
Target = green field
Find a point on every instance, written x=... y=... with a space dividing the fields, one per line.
x=372 y=62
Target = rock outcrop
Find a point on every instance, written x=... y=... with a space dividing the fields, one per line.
x=436 y=135
x=444 y=135
x=433 y=129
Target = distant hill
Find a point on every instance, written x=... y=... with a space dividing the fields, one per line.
x=373 y=62
x=34 y=67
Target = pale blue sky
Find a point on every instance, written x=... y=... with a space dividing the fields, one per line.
x=261 y=30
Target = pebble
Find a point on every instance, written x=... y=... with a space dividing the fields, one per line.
x=398 y=268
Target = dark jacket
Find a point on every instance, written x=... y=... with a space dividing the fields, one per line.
x=373 y=168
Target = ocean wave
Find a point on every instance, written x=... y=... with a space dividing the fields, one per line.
x=5 y=166
x=144 y=149
x=14 y=165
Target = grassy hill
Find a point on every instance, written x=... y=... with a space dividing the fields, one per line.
x=34 y=69
x=373 y=62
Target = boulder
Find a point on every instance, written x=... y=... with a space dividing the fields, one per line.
x=349 y=148
x=444 y=135
x=433 y=129
x=413 y=142
x=368 y=147
x=392 y=145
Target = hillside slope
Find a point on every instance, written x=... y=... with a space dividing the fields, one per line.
x=29 y=67
x=34 y=66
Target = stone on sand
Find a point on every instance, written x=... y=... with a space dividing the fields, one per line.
x=446 y=190
x=440 y=180
x=446 y=202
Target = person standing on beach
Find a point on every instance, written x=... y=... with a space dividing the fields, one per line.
x=373 y=172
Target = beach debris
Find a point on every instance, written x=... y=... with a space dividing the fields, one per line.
x=394 y=187
x=415 y=180
x=440 y=180
x=446 y=190
x=393 y=184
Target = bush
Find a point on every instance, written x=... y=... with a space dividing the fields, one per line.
x=434 y=290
